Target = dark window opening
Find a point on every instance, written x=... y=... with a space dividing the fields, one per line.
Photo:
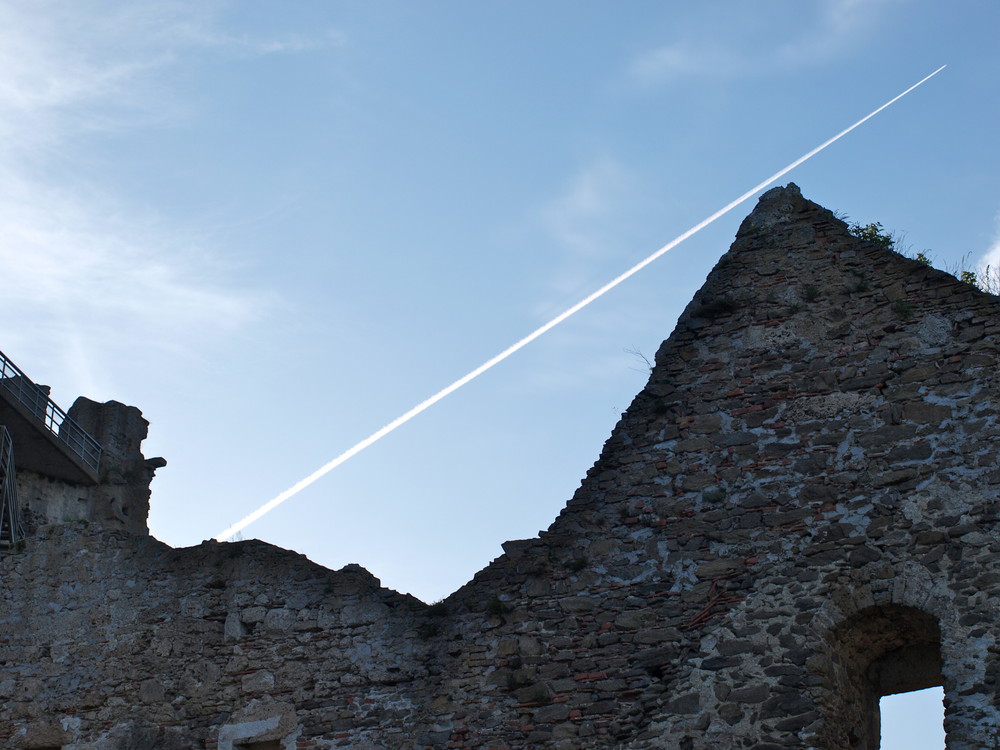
x=880 y=651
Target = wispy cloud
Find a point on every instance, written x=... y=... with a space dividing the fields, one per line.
x=685 y=59
x=84 y=269
x=991 y=258
x=840 y=24
x=205 y=35
x=592 y=195
x=61 y=251
x=831 y=27
x=70 y=65
x=84 y=284
x=582 y=218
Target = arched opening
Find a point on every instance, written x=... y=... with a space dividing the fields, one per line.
x=879 y=651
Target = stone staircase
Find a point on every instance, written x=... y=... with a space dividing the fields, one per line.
x=49 y=442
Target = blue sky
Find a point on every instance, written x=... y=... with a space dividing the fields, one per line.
x=276 y=227
x=275 y=231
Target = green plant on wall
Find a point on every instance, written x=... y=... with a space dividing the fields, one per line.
x=986 y=280
x=873 y=233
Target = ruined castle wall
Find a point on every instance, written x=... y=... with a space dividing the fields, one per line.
x=47 y=500
x=111 y=638
x=797 y=515
x=120 y=499
x=815 y=456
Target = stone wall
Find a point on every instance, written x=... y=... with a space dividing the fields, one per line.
x=120 y=500
x=796 y=515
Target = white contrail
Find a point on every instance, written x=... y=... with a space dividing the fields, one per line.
x=423 y=405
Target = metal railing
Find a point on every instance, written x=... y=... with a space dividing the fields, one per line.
x=45 y=409
x=10 y=519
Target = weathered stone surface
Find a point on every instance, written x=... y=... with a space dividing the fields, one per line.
x=120 y=500
x=800 y=512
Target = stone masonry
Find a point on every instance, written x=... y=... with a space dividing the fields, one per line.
x=797 y=515
x=120 y=500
